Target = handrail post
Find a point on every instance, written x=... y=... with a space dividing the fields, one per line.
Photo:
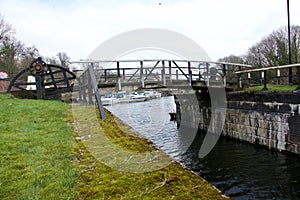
x=142 y=74
x=207 y=74
x=190 y=73
x=119 y=76
x=105 y=75
x=224 y=74
x=239 y=85
x=249 y=78
x=164 y=74
x=170 y=71
x=278 y=76
x=265 y=80
x=123 y=74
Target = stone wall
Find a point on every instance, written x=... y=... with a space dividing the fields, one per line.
x=271 y=119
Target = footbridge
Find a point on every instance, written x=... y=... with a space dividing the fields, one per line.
x=156 y=73
x=162 y=73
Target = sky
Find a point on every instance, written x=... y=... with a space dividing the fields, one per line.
x=77 y=27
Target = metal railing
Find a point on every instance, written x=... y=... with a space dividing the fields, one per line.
x=265 y=71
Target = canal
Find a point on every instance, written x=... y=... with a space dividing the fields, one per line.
x=239 y=170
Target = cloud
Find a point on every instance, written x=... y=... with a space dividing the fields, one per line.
x=78 y=27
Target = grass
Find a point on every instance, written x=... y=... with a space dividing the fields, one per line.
x=44 y=157
x=273 y=88
x=36 y=150
x=99 y=181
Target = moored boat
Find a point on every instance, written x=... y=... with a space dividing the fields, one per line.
x=131 y=97
x=109 y=99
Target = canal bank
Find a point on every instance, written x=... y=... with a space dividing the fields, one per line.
x=107 y=181
x=269 y=119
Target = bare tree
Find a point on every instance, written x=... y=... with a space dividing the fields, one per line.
x=64 y=59
x=272 y=50
x=230 y=69
x=5 y=29
x=27 y=56
x=14 y=55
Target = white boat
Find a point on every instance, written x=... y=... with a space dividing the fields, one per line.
x=109 y=99
x=152 y=94
x=130 y=97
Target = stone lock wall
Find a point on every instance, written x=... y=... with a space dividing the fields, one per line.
x=271 y=119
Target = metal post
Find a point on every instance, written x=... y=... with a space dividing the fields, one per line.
x=170 y=71
x=92 y=80
x=118 y=69
x=265 y=80
x=119 y=76
x=190 y=73
x=141 y=74
x=278 y=76
x=239 y=79
x=224 y=74
x=249 y=78
x=207 y=74
x=105 y=75
x=177 y=74
x=164 y=74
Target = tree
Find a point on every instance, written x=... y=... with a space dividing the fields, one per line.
x=14 y=55
x=230 y=69
x=6 y=30
x=27 y=56
x=272 y=50
x=64 y=59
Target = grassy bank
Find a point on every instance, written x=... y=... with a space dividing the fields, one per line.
x=42 y=158
x=36 y=150
x=272 y=87
x=171 y=182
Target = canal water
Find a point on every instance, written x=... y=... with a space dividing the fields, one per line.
x=239 y=170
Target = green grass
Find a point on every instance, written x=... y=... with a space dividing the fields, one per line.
x=42 y=158
x=36 y=150
x=99 y=181
x=273 y=88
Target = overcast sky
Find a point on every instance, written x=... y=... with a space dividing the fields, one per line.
x=77 y=27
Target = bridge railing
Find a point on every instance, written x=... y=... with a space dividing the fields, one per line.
x=165 y=72
x=277 y=75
